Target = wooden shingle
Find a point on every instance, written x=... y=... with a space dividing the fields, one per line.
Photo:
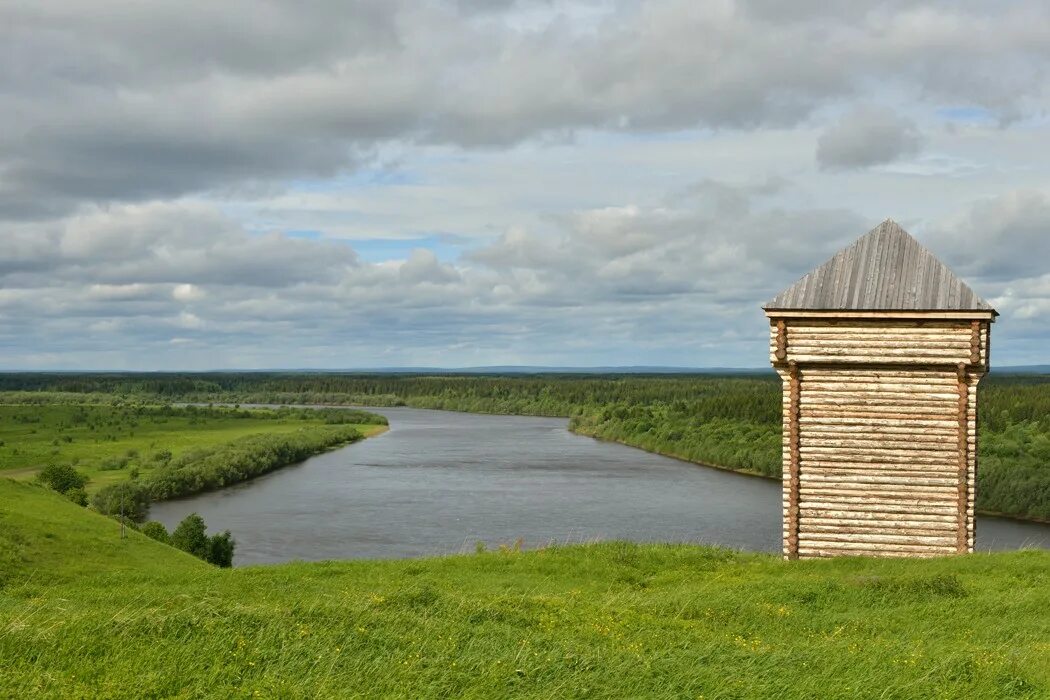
x=885 y=270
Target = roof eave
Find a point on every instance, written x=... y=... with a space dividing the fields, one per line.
x=967 y=314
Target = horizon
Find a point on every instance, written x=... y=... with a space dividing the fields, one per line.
x=476 y=369
x=557 y=183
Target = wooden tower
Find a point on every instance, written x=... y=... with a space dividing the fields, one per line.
x=880 y=350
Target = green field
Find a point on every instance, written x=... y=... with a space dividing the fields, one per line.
x=107 y=440
x=84 y=614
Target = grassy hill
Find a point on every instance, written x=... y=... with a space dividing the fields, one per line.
x=84 y=614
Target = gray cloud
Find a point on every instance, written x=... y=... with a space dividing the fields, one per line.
x=1001 y=238
x=101 y=102
x=867 y=136
x=678 y=281
x=148 y=152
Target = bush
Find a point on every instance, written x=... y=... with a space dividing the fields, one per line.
x=191 y=536
x=78 y=496
x=130 y=498
x=62 y=478
x=113 y=464
x=220 y=550
x=156 y=531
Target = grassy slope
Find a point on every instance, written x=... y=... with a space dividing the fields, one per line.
x=84 y=614
x=28 y=446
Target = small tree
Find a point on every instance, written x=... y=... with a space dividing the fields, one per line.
x=220 y=550
x=189 y=536
x=156 y=531
x=128 y=498
x=62 y=477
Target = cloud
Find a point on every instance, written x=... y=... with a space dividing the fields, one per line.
x=867 y=136
x=1000 y=238
x=562 y=181
x=102 y=103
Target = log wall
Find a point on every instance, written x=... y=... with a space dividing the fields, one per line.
x=880 y=435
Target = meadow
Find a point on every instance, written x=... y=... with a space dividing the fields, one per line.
x=111 y=441
x=732 y=422
x=86 y=614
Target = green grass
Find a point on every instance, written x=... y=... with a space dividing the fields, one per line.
x=90 y=436
x=84 y=614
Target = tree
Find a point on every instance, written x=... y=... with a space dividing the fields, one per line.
x=62 y=477
x=189 y=536
x=156 y=531
x=220 y=550
x=130 y=498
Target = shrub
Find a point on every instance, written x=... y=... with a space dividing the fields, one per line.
x=156 y=531
x=78 y=496
x=113 y=464
x=62 y=477
x=189 y=536
x=130 y=498
x=220 y=550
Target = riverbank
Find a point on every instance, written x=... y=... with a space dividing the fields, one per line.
x=731 y=421
x=168 y=451
x=84 y=613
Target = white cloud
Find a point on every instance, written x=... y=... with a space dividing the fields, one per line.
x=569 y=182
x=187 y=292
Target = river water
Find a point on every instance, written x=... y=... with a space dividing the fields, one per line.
x=438 y=482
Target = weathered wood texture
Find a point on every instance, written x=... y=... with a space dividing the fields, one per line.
x=882 y=342
x=879 y=448
x=885 y=269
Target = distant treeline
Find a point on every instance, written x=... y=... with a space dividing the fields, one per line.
x=729 y=421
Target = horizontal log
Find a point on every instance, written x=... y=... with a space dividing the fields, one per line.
x=937 y=410
x=877 y=398
x=897 y=413
x=850 y=386
x=884 y=494
x=878 y=373
x=890 y=448
x=878 y=359
x=945 y=478
x=814 y=542
x=917 y=423
x=850 y=538
x=930 y=467
x=832 y=449
x=915 y=461
x=819 y=476
x=915 y=342
x=887 y=430
x=842 y=503
x=828 y=552
x=877 y=516
x=867 y=353
x=882 y=524
x=894 y=440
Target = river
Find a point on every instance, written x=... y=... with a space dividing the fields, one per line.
x=438 y=482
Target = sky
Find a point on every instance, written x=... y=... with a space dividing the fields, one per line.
x=197 y=185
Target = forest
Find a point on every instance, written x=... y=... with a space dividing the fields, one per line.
x=720 y=420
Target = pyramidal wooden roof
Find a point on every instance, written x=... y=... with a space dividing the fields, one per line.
x=885 y=270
